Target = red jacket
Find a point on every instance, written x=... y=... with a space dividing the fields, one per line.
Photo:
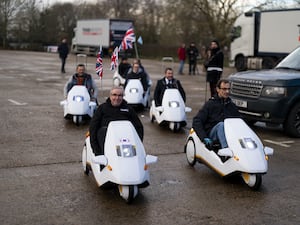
x=181 y=53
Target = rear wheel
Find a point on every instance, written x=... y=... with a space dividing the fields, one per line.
x=252 y=180
x=240 y=64
x=292 y=123
x=190 y=152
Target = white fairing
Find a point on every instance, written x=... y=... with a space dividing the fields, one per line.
x=134 y=93
x=78 y=102
x=118 y=80
x=245 y=148
x=245 y=144
x=173 y=108
x=119 y=169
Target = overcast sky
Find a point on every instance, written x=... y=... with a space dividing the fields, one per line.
x=249 y=3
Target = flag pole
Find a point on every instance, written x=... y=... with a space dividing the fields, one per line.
x=136 y=51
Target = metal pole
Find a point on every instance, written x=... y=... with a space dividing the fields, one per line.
x=136 y=51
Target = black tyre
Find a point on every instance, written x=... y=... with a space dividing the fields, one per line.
x=292 y=124
x=252 y=180
x=240 y=64
x=131 y=194
x=86 y=167
x=190 y=152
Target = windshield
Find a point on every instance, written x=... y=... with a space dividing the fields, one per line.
x=292 y=61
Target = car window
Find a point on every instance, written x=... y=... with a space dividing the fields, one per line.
x=292 y=61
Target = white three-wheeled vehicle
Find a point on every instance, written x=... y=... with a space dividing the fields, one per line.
x=125 y=161
x=78 y=104
x=171 y=112
x=134 y=93
x=245 y=154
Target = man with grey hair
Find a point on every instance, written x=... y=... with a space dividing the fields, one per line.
x=115 y=108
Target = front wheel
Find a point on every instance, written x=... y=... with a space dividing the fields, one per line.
x=190 y=152
x=128 y=192
x=252 y=180
x=77 y=120
x=292 y=123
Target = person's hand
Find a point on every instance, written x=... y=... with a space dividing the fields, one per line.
x=208 y=142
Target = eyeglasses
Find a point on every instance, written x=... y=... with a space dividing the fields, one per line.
x=225 y=89
x=116 y=95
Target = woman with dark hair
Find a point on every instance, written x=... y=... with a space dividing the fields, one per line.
x=214 y=66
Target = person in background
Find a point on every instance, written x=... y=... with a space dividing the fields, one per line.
x=123 y=67
x=63 y=51
x=209 y=122
x=167 y=82
x=82 y=78
x=115 y=108
x=214 y=66
x=192 y=53
x=181 y=52
x=137 y=73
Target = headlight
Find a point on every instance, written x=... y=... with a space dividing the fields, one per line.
x=273 y=91
x=173 y=104
x=78 y=98
x=248 y=143
x=133 y=90
x=126 y=151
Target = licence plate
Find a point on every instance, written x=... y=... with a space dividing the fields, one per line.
x=240 y=103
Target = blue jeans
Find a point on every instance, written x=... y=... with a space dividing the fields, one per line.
x=181 y=63
x=218 y=133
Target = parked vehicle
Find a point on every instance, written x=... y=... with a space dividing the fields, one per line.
x=271 y=96
x=125 y=163
x=262 y=38
x=89 y=35
x=245 y=154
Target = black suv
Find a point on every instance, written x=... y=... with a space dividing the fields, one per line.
x=271 y=96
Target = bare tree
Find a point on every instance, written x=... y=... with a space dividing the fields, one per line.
x=8 y=9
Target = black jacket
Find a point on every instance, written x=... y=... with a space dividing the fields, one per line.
x=161 y=86
x=215 y=61
x=215 y=110
x=140 y=76
x=107 y=113
x=63 y=50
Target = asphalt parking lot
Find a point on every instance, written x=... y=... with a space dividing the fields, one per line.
x=41 y=175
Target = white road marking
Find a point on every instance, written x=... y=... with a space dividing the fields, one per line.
x=16 y=103
x=281 y=143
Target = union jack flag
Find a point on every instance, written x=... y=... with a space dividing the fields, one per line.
x=114 y=59
x=99 y=63
x=128 y=39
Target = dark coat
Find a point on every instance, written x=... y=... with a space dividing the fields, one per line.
x=63 y=50
x=107 y=113
x=192 y=53
x=87 y=82
x=140 y=76
x=215 y=110
x=216 y=60
x=161 y=86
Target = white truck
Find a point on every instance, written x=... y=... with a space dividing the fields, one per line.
x=89 y=35
x=263 y=38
